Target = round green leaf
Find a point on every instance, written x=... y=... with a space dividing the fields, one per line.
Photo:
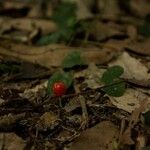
x=116 y=89
x=112 y=73
x=72 y=59
x=147 y=118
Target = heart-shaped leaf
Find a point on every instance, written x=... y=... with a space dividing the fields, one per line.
x=112 y=73
x=73 y=59
x=147 y=118
x=116 y=89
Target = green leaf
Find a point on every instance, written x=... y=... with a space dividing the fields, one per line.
x=111 y=74
x=9 y=68
x=59 y=76
x=47 y=39
x=147 y=118
x=65 y=14
x=146 y=148
x=116 y=88
x=73 y=59
x=145 y=29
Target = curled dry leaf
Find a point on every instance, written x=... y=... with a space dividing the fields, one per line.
x=28 y=24
x=133 y=68
x=53 y=55
x=36 y=92
x=142 y=48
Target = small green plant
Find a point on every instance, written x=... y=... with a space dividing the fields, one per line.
x=9 y=68
x=65 y=18
x=147 y=118
x=58 y=77
x=73 y=59
x=114 y=86
x=145 y=28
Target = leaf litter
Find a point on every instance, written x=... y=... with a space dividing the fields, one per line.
x=99 y=50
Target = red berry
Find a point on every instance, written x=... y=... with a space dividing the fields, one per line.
x=59 y=88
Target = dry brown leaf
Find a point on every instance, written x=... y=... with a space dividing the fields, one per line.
x=133 y=68
x=130 y=100
x=48 y=120
x=134 y=119
x=102 y=31
x=11 y=141
x=7 y=121
x=140 y=7
x=99 y=137
x=140 y=47
x=109 y=9
x=53 y=55
x=27 y=24
x=83 y=8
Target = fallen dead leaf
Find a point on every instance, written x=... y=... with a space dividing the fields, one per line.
x=140 y=7
x=11 y=141
x=130 y=100
x=125 y=138
x=53 y=55
x=99 y=137
x=27 y=24
x=142 y=47
x=103 y=31
x=48 y=120
x=109 y=9
x=92 y=76
x=83 y=8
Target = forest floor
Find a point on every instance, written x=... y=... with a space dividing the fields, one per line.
x=75 y=76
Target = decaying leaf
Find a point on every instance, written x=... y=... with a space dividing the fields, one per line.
x=125 y=138
x=7 y=121
x=142 y=48
x=11 y=141
x=130 y=100
x=48 y=120
x=92 y=76
x=99 y=137
x=27 y=24
x=53 y=55
x=35 y=92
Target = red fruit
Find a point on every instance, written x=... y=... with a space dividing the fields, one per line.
x=59 y=88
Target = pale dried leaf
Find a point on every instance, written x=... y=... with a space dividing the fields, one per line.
x=53 y=55
x=129 y=101
x=92 y=76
